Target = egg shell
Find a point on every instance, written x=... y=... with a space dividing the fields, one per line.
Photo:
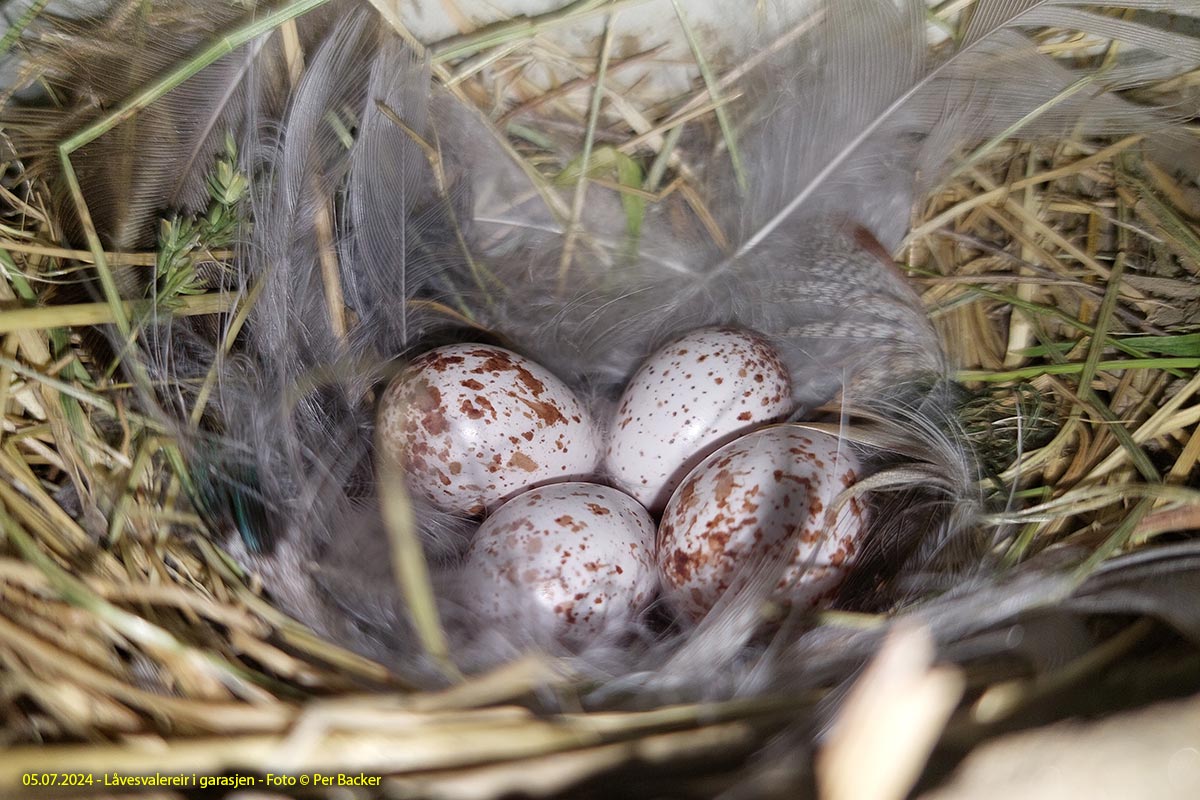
x=475 y=424
x=686 y=400
x=572 y=561
x=763 y=499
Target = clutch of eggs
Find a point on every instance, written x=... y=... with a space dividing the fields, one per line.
x=482 y=429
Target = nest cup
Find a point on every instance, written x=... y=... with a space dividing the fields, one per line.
x=174 y=500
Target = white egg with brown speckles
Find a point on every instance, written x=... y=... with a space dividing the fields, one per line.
x=764 y=504
x=474 y=425
x=686 y=400
x=572 y=560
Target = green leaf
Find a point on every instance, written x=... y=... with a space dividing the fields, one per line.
x=608 y=162
x=603 y=162
x=1184 y=345
x=629 y=173
x=531 y=135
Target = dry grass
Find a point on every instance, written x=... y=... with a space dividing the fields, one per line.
x=1062 y=273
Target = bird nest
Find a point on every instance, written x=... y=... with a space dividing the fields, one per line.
x=1062 y=275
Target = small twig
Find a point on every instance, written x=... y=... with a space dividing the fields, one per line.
x=17 y=28
x=974 y=201
x=500 y=33
x=585 y=158
x=714 y=91
x=83 y=314
x=244 y=307
x=85 y=256
x=1026 y=373
x=673 y=124
x=410 y=567
x=566 y=88
x=331 y=276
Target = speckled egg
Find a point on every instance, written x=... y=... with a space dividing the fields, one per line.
x=764 y=501
x=572 y=560
x=475 y=424
x=689 y=398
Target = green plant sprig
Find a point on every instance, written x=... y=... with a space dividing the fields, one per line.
x=184 y=241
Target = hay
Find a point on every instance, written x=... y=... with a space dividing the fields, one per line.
x=1061 y=273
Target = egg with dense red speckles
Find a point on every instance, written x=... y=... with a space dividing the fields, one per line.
x=689 y=398
x=474 y=424
x=572 y=560
x=763 y=507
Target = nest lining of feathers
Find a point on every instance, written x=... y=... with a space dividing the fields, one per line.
x=1059 y=273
